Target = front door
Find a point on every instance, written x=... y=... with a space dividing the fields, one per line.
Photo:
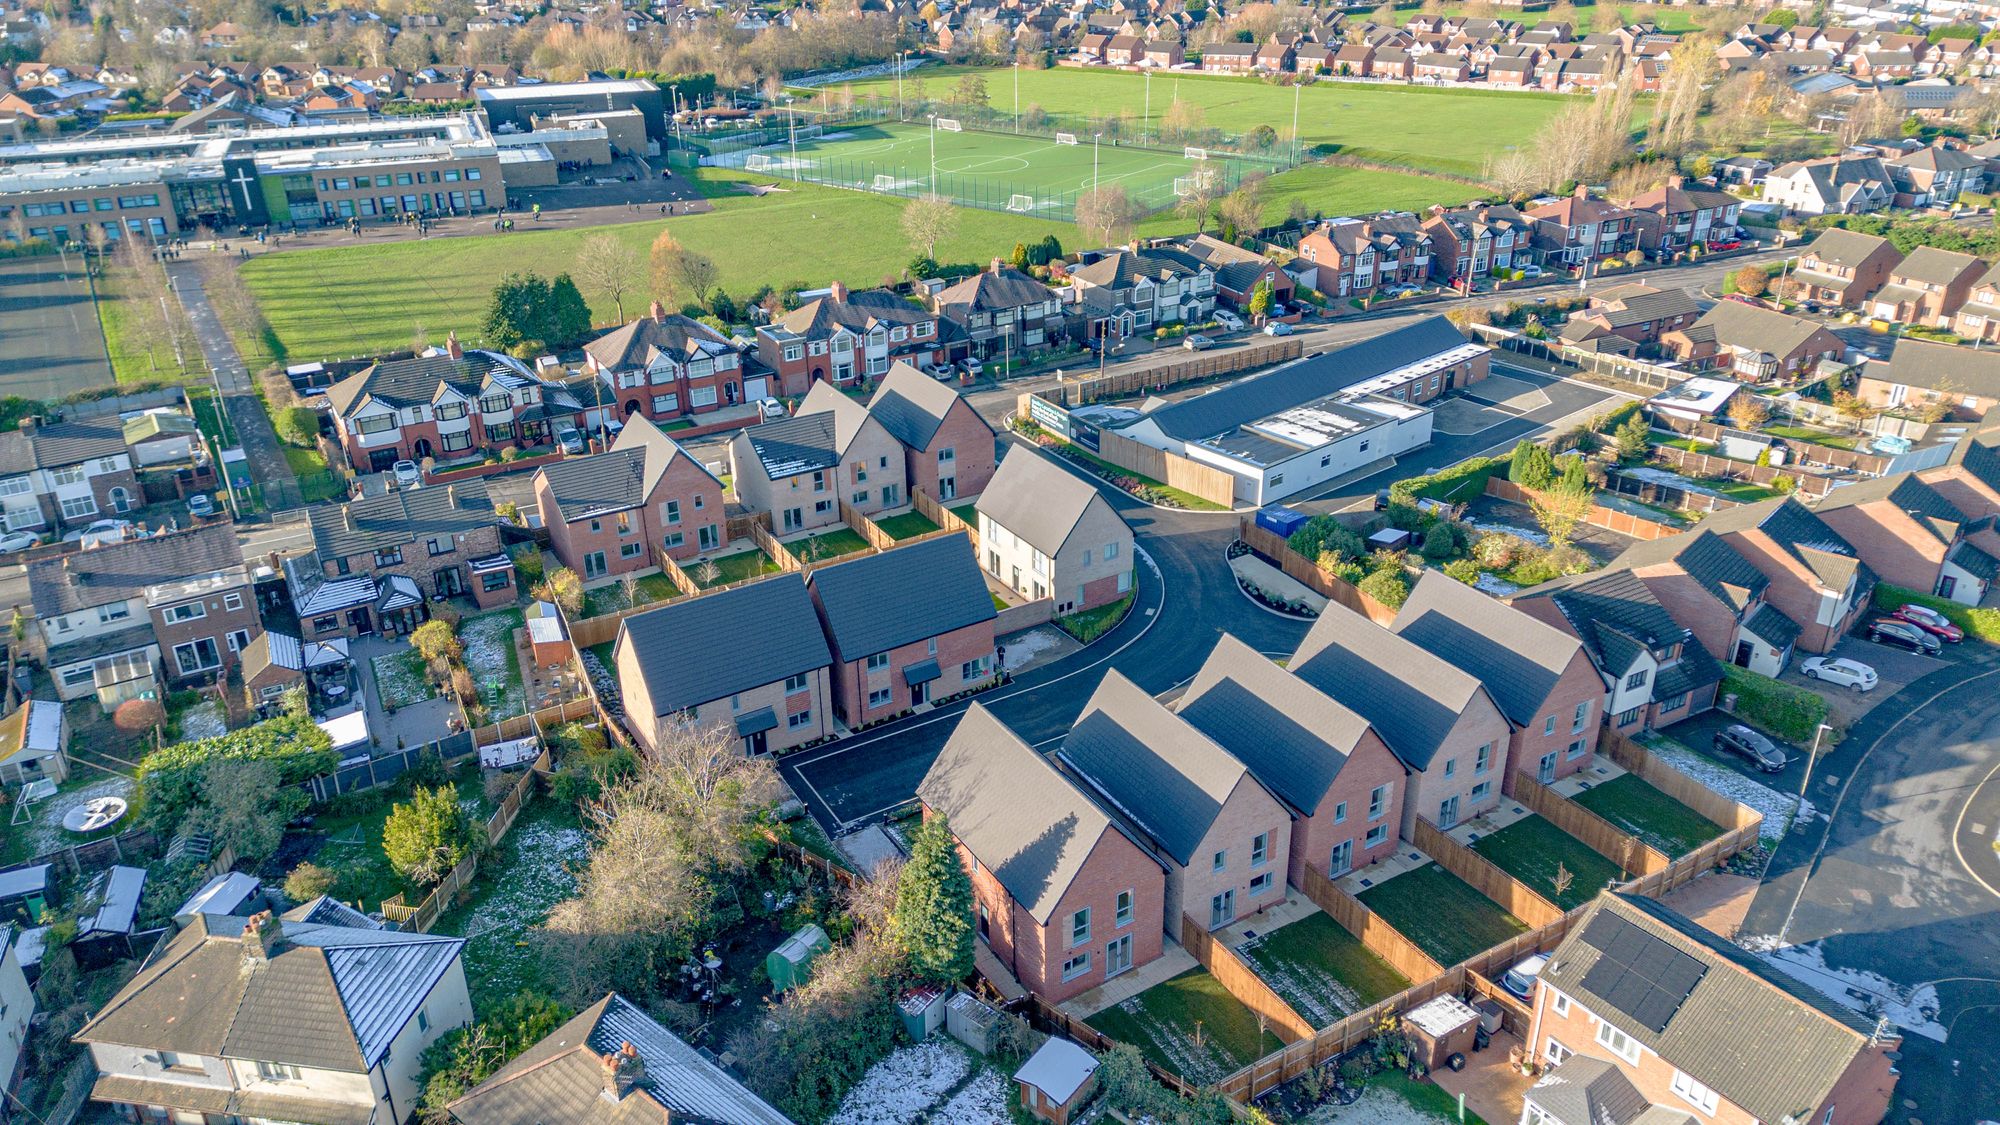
x=1546 y=772
x=756 y=745
x=919 y=693
x=1448 y=812
x=1222 y=909
x=359 y=620
x=421 y=448
x=1118 y=956
x=1946 y=585
x=1744 y=650
x=1342 y=860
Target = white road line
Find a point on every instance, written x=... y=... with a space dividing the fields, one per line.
x=1957 y=851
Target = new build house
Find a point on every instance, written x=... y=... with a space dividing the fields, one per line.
x=1540 y=676
x=1816 y=577
x=1442 y=722
x=1911 y=536
x=1712 y=589
x=613 y=512
x=803 y=468
x=1336 y=777
x=1656 y=671
x=1046 y=533
x=908 y=626
x=1068 y=895
x=948 y=448
x=753 y=657
x=1224 y=839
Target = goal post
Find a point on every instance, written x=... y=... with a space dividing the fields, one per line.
x=886 y=182
x=1187 y=185
x=1021 y=204
x=1193 y=153
x=1066 y=139
x=758 y=162
x=950 y=125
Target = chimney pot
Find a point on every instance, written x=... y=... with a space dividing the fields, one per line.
x=996 y=265
x=659 y=313
x=261 y=932
x=838 y=290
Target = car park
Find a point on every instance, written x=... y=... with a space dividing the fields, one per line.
x=1745 y=743
x=1930 y=621
x=407 y=474
x=1197 y=343
x=1902 y=634
x=1277 y=328
x=1840 y=672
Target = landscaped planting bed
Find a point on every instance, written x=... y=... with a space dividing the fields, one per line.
x=1162 y=1023
x=1532 y=850
x=1634 y=806
x=1320 y=969
x=1442 y=914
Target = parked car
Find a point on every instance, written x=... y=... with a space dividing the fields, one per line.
x=1531 y=273
x=1229 y=320
x=1277 y=328
x=100 y=533
x=1930 y=621
x=1401 y=291
x=1382 y=499
x=570 y=440
x=1519 y=981
x=1851 y=674
x=1197 y=343
x=942 y=372
x=1745 y=743
x=770 y=409
x=407 y=474
x=201 y=506
x=972 y=366
x=18 y=541
x=1902 y=634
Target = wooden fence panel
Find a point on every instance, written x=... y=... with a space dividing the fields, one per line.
x=1200 y=365
x=682 y=581
x=1485 y=876
x=1710 y=465
x=944 y=517
x=1629 y=852
x=768 y=543
x=1611 y=519
x=1128 y=454
x=1241 y=981
x=1635 y=758
x=1368 y=927
x=1301 y=569
x=866 y=528
x=1171 y=469
x=737 y=525
x=1871 y=464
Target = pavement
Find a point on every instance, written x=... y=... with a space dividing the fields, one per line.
x=50 y=342
x=248 y=421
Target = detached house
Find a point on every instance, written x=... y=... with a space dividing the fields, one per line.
x=1627 y=317
x=1833 y=185
x=1752 y=344
x=438 y=406
x=1001 y=313
x=279 y=1020
x=1927 y=287
x=1442 y=722
x=1921 y=374
x=1816 y=577
x=612 y=512
x=1124 y=292
x=908 y=626
x=178 y=604
x=1223 y=838
x=801 y=469
x=376 y=561
x=845 y=337
x=1911 y=536
x=1656 y=671
x=753 y=657
x=1845 y=268
x=1709 y=586
x=1642 y=1016
x=1578 y=228
x=1979 y=317
x=667 y=367
x=1338 y=780
x=948 y=448
x=1068 y=896
x=1673 y=218
x=1540 y=676
x=1045 y=533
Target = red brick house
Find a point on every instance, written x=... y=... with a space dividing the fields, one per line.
x=1474 y=241
x=1844 y=267
x=1656 y=672
x=1001 y=313
x=908 y=626
x=1970 y=477
x=1709 y=586
x=948 y=447
x=1541 y=677
x=845 y=337
x=1357 y=257
x=1927 y=287
x=1067 y=895
x=1338 y=780
x=440 y=406
x=613 y=512
x=1979 y=317
x=1922 y=374
x=1238 y=272
x=667 y=367
x=1230 y=58
x=1224 y=840
x=1815 y=577
x=1911 y=536
x=1694 y=1034
x=1752 y=344
x=377 y=561
x=1673 y=218
x=1578 y=227
x=1637 y=314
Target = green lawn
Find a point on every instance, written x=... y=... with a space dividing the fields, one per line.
x=1428 y=1097
x=1670 y=19
x=1820 y=437
x=353 y=844
x=1530 y=850
x=1334 y=189
x=1110 y=471
x=1441 y=913
x=828 y=545
x=999 y=602
x=1451 y=131
x=208 y=417
x=610 y=599
x=316 y=481
x=1320 y=969
x=400 y=679
x=518 y=883
x=907 y=525
x=1746 y=491
x=1631 y=804
x=734 y=568
x=969 y=513
x=139 y=351
x=363 y=300
x=1165 y=1020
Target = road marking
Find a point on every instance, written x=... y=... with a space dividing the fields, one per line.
x=1958 y=823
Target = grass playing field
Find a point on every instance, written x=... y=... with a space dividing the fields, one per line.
x=1438 y=130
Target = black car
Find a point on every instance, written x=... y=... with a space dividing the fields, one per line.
x=1746 y=743
x=1902 y=634
x=1382 y=500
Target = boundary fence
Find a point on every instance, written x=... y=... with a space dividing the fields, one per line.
x=1300 y=569
x=1080 y=390
x=425 y=914
x=1242 y=982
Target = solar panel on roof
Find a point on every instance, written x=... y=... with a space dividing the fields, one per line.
x=1638 y=973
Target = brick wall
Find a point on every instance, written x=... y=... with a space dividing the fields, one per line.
x=1894 y=546
x=853 y=682
x=971 y=442
x=217 y=622
x=1479 y=724
x=1314 y=837
x=1966 y=492
x=1794 y=589
x=1248 y=812
x=1036 y=953
x=1579 y=684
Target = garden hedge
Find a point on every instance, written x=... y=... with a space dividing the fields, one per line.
x=170 y=778
x=1979 y=623
x=1457 y=484
x=1792 y=713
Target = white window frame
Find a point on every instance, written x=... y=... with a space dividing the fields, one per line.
x=1617 y=1042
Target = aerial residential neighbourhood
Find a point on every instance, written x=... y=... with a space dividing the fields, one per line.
x=881 y=562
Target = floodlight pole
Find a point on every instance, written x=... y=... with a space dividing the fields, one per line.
x=933 y=154
x=1093 y=160
x=1297 y=151
x=1146 y=121
x=1017 y=94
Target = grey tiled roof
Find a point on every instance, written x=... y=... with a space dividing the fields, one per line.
x=1518 y=658
x=416 y=381
x=399 y=518
x=1615 y=614
x=1847 y=248
x=593 y=486
x=1161 y=773
x=1932 y=366
x=794 y=445
x=1035 y=498
x=1770 y=623
x=1797 y=531
x=1744 y=326
x=1907 y=494
x=1938 y=267
x=703 y=649
x=17 y=453
x=1412 y=698
x=635 y=343
x=68 y=443
x=1707 y=558
x=911 y=405
x=879 y=602
x=118 y=571
x=988 y=290
x=1294 y=739
x=1588 y=1091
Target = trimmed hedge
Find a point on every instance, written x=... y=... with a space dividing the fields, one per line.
x=1457 y=484
x=1791 y=713
x=170 y=778
x=1978 y=623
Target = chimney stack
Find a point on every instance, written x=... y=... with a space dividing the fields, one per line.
x=839 y=291
x=997 y=263
x=451 y=495
x=1583 y=191
x=261 y=932
x=622 y=1070
x=1674 y=181
x=659 y=313
x=451 y=345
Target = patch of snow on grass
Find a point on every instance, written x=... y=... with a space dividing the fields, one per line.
x=1913 y=1009
x=45 y=832
x=1490 y=583
x=1377 y=1105
x=400 y=679
x=1312 y=991
x=1777 y=808
x=984 y=1101
x=1025 y=646
x=490 y=657
x=1496 y=527
x=908 y=1082
x=539 y=858
x=1197 y=1064
x=203 y=720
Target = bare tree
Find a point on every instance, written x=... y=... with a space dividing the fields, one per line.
x=1199 y=202
x=929 y=220
x=1563 y=879
x=1106 y=215
x=1559 y=512
x=606 y=268
x=1514 y=173
x=681 y=275
x=1243 y=209
x=1182 y=121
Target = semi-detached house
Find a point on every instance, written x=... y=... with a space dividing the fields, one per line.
x=1709 y=586
x=1844 y=267
x=1001 y=313
x=1927 y=287
x=908 y=626
x=1357 y=257
x=65 y=474
x=1911 y=536
x=845 y=337
x=1816 y=577
x=801 y=469
x=441 y=406
x=1045 y=533
x=667 y=367
x=614 y=512
x=1124 y=292
x=377 y=561
x=1657 y=673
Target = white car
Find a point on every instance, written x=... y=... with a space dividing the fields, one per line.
x=1519 y=981
x=1531 y=272
x=18 y=541
x=770 y=409
x=1229 y=320
x=407 y=474
x=100 y=533
x=1851 y=674
x=1277 y=328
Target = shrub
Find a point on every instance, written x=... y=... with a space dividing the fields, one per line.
x=428 y=835
x=1439 y=543
x=1462 y=481
x=1322 y=534
x=297 y=425
x=308 y=881
x=511 y=454
x=1465 y=570
x=170 y=778
x=1500 y=550
x=1531 y=466
x=1390 y=587
x=1792 y=713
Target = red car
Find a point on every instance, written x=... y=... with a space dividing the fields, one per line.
x=1724 y=245
x=1930 y=621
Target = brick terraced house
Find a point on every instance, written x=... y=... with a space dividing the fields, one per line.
x=668 y=367
x=377 y=561
x=441 y=406
x=846 y=337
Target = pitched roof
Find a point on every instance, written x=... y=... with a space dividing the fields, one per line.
x=911 y=405
x=1517 y=657
x=856 y=312
x=561 y=1079
x=1588 y=1091
x=1165 y=776
x=1002 y=287
x=1618 y=617
x=1736 y=324
x=802 y=443
x=116 y=572
x=418 y=380
x=328 y=997
x=1035 y=498
x=1801 y=534
x=1026 y=821
x=639 y=342
x=67 y=443
x=1121 y=269
x=1705 y=557
x=397 y=518
x=882 y=601
x=1906 y=493
x=1764 y=1041
x=1293 y=738
x=1940 y=367
x=1847 y=248
x=703 y=649
x=1412 y=698
x=1935 y=266
x=620 y=477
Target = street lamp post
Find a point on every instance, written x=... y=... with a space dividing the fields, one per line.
x=1093 y=160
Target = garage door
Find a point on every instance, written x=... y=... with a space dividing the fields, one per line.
x=754 y=389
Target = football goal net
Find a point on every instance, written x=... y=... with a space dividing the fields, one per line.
x=1066 y=138
x=806 y=132
x=886 y=182
x=1187 y=185
x=759 y=162
x=1021 y=203
x=1193 y=153
x=950 y=125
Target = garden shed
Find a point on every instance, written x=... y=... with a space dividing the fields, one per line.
x=790 y=964
x=923 y=1011
x=972 y=1022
